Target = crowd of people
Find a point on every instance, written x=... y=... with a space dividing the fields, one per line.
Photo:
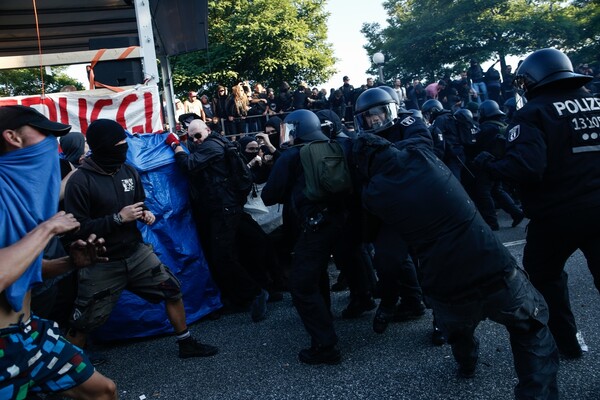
x=425 y=170
x=245 y=107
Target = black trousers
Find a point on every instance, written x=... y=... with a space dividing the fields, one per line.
x=486 y=193
x=550 y=242
x=395 y=268
x=218 y=235
x=309 y=280
x=353 y=259
x=256 y=252
x=519 y=307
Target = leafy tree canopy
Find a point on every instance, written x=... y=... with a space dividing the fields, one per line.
x=27 y=81
x=427 y=38
x=261 y=40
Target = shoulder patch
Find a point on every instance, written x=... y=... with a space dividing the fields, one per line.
x=408 y=121
x=514 y=133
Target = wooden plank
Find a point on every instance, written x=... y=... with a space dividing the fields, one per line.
x=76 y=57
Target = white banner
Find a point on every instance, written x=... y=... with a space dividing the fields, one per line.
x=137 y=109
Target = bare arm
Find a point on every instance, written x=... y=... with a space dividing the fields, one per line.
x=17 y=257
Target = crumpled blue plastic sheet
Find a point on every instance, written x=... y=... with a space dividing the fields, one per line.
x=175 y=240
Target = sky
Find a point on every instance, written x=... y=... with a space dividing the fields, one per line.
x=345 y=21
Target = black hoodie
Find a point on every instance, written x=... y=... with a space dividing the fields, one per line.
x=94 y=197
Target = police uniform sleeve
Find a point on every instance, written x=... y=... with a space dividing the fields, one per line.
x=525 y=158
x=276 y=189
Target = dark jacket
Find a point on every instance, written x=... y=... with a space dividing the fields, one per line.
x=286 y=185
x=93 y=197
x=446 y=123
x=553 y=152
x=475 y=73
x=208 y=171
x=409 y=188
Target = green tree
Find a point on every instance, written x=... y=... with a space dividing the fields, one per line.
x=426 y=38
x=262 y=40
x=585 y=48
x=27 y=81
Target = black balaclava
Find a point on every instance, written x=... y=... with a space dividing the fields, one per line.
x=102 y=135
x=73 y=146
x=243 y=143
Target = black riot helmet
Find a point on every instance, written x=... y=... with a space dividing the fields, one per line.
x=489 y=109
x=391 y=92
x=375 y=111
x=463 y=114
x=416 y=113
x=547 y=66
x=431 y=109
x=331 y=124
x=302 y=126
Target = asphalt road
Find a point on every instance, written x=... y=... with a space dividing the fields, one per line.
x=259 y=361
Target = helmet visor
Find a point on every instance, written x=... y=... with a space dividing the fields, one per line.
x=376 y=118
x=288 y=131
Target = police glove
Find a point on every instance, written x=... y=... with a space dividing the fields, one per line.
x=172 y=141
x=482 y=160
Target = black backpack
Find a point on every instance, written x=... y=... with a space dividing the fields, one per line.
x=240 y=176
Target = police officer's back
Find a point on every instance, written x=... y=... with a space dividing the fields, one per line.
x=553 y=152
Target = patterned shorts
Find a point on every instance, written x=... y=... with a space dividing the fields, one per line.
x=35 y=358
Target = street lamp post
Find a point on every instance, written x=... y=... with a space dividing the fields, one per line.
x=379 y=59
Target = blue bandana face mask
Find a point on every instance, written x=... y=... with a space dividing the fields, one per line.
x=29 y=190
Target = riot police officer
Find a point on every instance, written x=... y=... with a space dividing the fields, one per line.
x=319 y=223
x=487 y=192
x=443 y=121
x=377 y=112
x=553 y=151
x=350 y=254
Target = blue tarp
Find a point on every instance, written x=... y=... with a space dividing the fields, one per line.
x=175 y=241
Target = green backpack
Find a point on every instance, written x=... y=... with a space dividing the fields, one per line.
x=325 y=170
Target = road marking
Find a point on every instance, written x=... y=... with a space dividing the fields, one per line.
x=515 y=243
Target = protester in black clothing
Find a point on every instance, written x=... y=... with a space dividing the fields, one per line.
x=338 y=104
x=412 y=192
x=320 y=225
x=317 y=100
x=218 y=211
x=272 y=128
x=492 y=83
x=220 y=109
x=284 y=100
x=477 y=78
x=463 y=87
x=507 y=88
x=348 y=94
x=416 y=94
x=106 y=196
x=299 y=96
x=488 y=192
x=254 y=246
x=553 y=152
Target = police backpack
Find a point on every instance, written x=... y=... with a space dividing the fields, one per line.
x=326 y=170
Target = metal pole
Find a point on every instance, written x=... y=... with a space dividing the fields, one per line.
x=165 y=67
x=381 y=74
